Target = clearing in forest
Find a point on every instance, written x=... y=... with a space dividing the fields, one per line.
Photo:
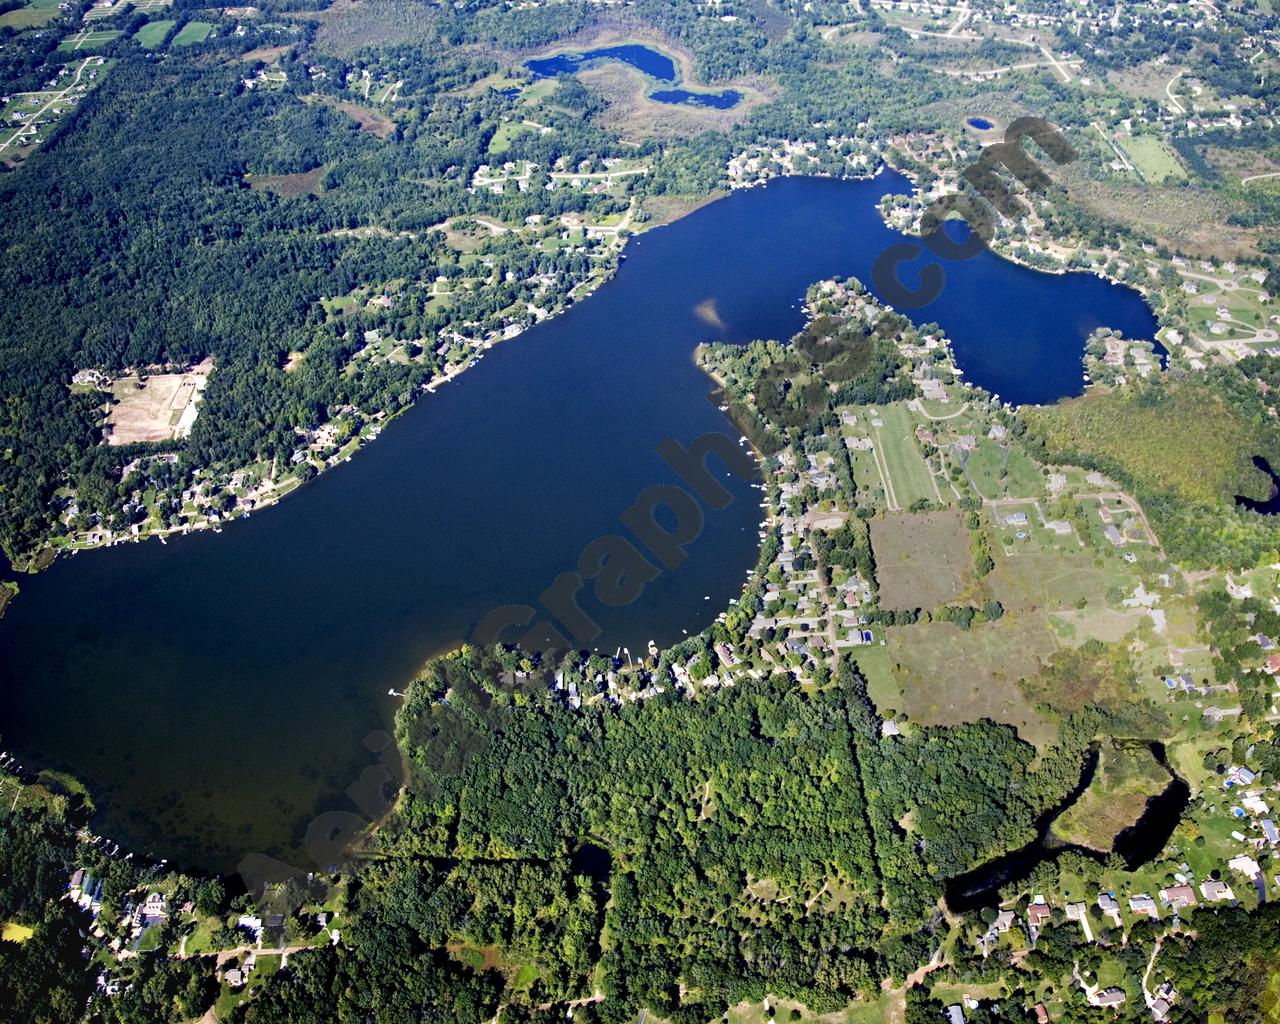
x=156 y=408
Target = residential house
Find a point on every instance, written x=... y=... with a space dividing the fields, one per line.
x=1246 y=865
x=955 y=1014
x=1109 y=997
x=1242 y=776
x=1215 y=891
x=1038 y=913
x=253 y=925
x=1178 y=896
x=1144 y=904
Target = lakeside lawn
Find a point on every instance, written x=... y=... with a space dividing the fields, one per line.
x=909 y=479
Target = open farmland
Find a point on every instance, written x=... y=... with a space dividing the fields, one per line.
x=922 y=559
x=946 y=676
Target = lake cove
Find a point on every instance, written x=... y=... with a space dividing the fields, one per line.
x=214 y=693
x=644 y=59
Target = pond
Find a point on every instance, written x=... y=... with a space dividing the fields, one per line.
x=1140 y=843
x=214 y=693
x=980 y=123
x=1271 y=505
x=645 y=60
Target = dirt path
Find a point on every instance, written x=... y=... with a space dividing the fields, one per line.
x=1178 y=108
x=1057 y=64
x=938 y=419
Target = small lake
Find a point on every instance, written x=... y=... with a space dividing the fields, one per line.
x=644 y=59
x=980 y=123
x=214 y=693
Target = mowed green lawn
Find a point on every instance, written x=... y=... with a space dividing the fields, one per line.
x=1153 y=158
x=193 y=32
x=35 y=14
x=909 y=476
x=152 y=33
x=87 y=42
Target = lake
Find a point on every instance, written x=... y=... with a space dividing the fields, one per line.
x=213 y=693
x=644 y=59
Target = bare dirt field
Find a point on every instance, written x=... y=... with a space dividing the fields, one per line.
x=156 y=408
x=922 y=559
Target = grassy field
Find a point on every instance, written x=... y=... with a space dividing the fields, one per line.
x=909 y=479
x=922 y=560
x=502 y=138
x=152 y=33
x=13 y=932
x=1192 y=443
x=87 y=41
x=1127 y=776
x=998 y=472
x=1153 y=158
x=947 y=676
x=876 y=1012
x=35 y=14
x=303 y=183
x=193 y=32
x=1056 y=595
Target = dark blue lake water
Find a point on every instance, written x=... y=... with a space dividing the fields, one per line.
x=214 y=692
x=642 y=58
x=718 y=100
x=981 y=123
